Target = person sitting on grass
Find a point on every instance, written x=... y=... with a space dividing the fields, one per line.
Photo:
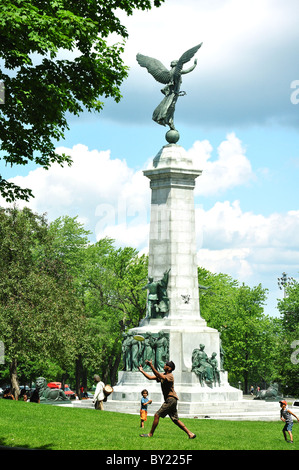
x=169 y=406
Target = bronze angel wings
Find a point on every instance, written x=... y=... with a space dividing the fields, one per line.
x=160 y=72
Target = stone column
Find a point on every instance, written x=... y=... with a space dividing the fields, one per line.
x=172 y=245
x=172 y=240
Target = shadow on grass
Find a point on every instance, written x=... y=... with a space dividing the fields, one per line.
x=5 y=446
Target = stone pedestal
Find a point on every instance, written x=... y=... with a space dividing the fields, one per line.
x=172 y=246
x=172 y=239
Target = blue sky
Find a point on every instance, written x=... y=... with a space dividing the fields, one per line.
x=239 y=120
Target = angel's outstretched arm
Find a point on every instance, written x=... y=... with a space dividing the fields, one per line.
x=190 y=68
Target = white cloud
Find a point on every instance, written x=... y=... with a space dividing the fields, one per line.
x=111 y=198
x=248 y=246
x=126 y=234
x=216 y=23
x=231 y=169
x=114 y=200
x=228 y=261
x=245 y=66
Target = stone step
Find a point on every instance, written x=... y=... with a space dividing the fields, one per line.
x=244 y=410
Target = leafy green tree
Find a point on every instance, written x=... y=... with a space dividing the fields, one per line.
x=217 y=296
x=108 y=280
x=251 y=332
x=289 y=308
x=69 y=243
x=114 y=298
x=42 y=87
x=288 y=351
x=247 y=335
x=40 y=313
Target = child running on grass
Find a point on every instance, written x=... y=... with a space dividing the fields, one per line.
x=287 y=416
x=143 y=407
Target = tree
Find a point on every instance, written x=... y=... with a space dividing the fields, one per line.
x=40 y=313
x=289 y=308
x=108 y=281
x=247 y=335
x=69 y=243
x=249 y=332
x=217 y=296
x=287 y=357
x=114 y=298
x=41 y=88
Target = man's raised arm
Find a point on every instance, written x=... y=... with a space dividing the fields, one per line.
x=148 y=376
x=158 y=375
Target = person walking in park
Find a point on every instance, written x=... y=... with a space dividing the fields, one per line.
x=99 y=393
x=169 y=407
x=287 y=417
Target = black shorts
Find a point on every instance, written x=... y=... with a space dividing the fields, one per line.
x=169 y=408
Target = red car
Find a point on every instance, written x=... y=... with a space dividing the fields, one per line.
x=68 y=392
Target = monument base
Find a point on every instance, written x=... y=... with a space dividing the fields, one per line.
x=131 y=384
x=194 y=397
x=221 y=402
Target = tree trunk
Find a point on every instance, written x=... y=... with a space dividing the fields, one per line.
x=245 y=376
x=15 y=390
x=114 y=369
x=63 y=378
x=78 y=375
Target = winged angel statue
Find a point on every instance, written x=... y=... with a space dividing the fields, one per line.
x=164 y=112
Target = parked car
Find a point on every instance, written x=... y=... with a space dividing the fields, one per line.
x=68 y=392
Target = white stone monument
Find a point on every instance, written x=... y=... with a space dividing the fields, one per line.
x=172 y=247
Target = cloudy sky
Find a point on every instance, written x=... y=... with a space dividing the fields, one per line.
x=239 y=120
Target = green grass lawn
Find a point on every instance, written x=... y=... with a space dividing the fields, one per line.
x=37 y=426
